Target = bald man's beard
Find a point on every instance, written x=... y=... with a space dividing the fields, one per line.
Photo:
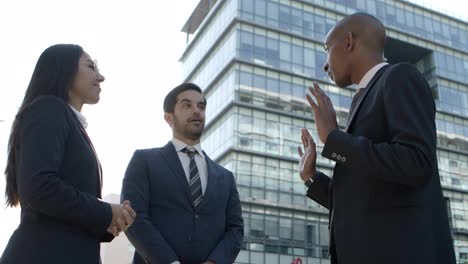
x=343 y=83
x=343 y=80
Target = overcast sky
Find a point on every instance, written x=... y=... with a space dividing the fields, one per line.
x=137 y=44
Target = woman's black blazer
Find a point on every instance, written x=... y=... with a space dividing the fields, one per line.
x=58 y=179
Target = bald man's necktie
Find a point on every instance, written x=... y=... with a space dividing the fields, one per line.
x=356 y=98
x=194 y=182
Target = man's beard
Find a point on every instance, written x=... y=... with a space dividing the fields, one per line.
x=188 y=131
x=193 y=134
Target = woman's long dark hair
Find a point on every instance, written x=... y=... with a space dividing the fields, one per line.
x=53 y=75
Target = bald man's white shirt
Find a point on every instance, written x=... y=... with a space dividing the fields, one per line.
x=369 y=75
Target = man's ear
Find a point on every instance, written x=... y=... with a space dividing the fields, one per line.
x=350 y=41
x=168 y=118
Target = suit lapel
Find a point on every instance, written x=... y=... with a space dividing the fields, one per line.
x=173 y=162
x=210 y=181
x=88 y=140
x=83 y=132
x=369 y=86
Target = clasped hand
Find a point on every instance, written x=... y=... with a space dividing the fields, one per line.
x=122 y=217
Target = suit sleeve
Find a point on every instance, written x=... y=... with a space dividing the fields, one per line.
x=43 y=134
x=319 y=189
x=408 y=157
x=146 y=238
x=227 y=249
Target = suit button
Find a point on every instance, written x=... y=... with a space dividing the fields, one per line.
x=196 y=216
x=333 y=155
x=343 y=159
x=338 y=157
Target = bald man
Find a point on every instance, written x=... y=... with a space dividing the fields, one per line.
x=385 y=199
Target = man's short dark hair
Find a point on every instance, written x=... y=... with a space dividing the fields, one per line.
x=171 y=98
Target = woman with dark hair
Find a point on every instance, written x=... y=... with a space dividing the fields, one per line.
x=52 y=169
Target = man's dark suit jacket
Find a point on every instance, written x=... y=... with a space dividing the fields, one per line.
x=385 y=199
x=62 y=220
x=168 y=227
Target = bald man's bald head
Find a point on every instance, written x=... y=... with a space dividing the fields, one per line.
x=366 y=29
x=354 y=45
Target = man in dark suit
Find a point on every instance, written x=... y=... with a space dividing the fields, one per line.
x=188 y=208
x=385 y=198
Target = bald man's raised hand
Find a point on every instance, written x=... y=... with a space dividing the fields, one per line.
x=308 y=157
x=324 y=113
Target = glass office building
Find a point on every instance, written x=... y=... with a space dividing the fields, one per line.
x=254 y=60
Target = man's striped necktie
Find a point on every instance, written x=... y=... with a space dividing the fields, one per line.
x=194 y=182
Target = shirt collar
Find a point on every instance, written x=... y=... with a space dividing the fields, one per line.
x=369 y=75
x=80 y=116
x=179 y=146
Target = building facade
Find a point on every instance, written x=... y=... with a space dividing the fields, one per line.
x=254 y=60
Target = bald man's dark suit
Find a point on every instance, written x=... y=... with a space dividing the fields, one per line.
x=385 y=198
